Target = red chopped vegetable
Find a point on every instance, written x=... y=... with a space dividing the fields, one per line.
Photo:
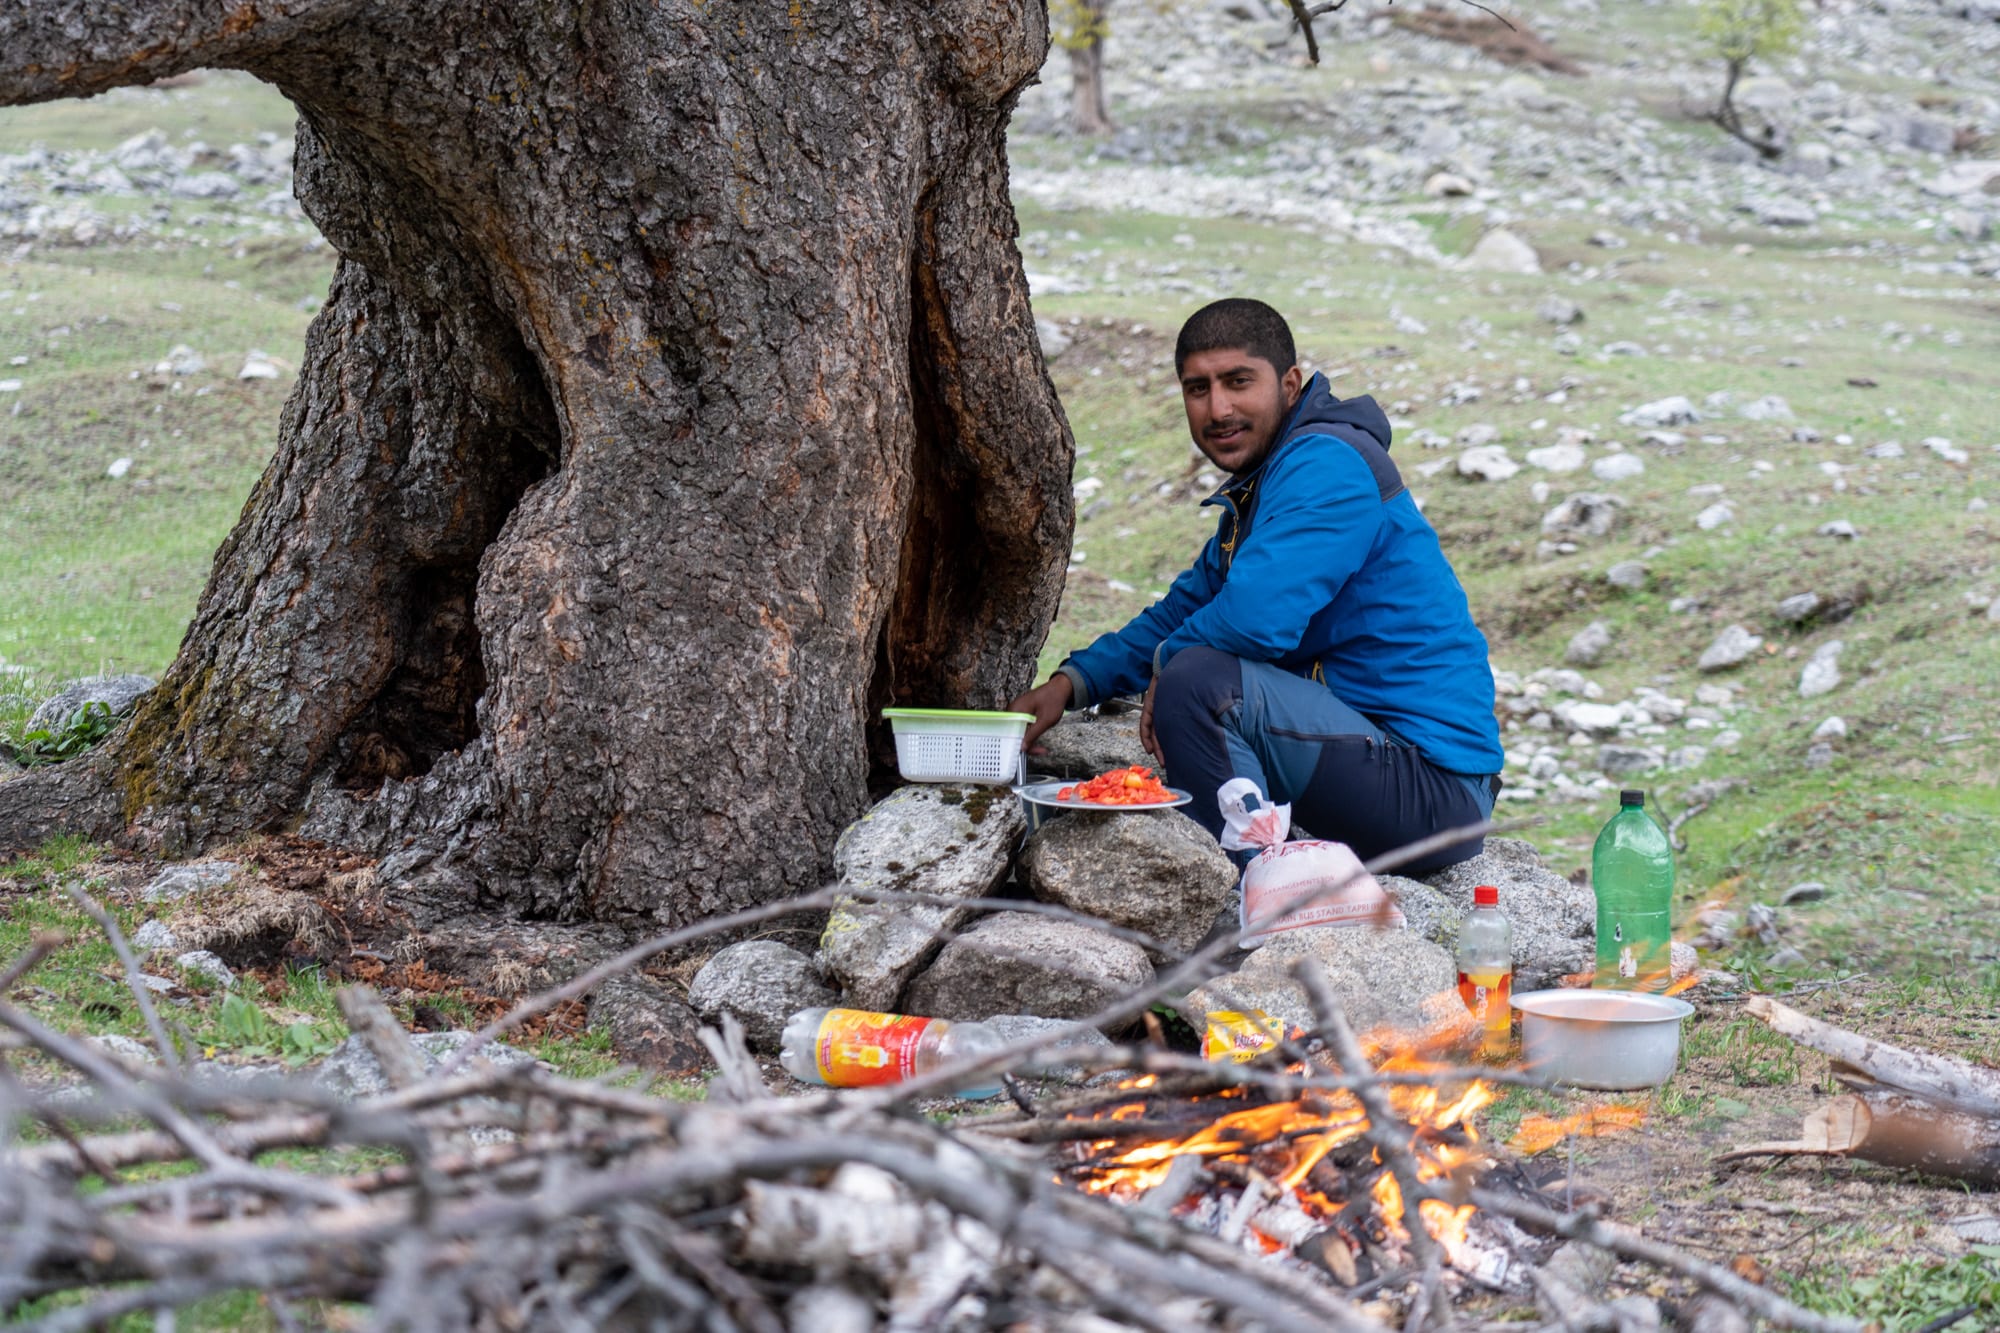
x=1121 y=786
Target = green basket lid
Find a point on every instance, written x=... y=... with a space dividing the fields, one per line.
x=955 y=715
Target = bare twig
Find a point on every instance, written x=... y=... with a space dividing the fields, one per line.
x=169 y=1054
x=369 y=1019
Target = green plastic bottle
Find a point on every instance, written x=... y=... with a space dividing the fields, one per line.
x=1632 y=873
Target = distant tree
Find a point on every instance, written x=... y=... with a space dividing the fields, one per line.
x=1741 y=31
x=1080 y=27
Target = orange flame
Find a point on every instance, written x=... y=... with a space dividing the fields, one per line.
x=1539 y=1133
x=1307 y=1133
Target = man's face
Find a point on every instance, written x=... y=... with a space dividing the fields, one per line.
x=1235 y=403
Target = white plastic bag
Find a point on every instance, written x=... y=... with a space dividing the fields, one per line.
x=1294 y=884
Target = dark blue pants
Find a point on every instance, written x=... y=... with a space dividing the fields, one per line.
x=1218 y=717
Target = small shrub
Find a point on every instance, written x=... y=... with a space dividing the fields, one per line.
x=84 y=728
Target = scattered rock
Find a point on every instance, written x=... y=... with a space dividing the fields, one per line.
x=763 y=983
x=205 y=964
x=1799 y=608
x=178 y=882
x=1618 y=467
x=352 y=1073
x=1083 y=745
x=1426 y=912
x=1675 y=411
x=1554 y=921
x=650 y=1026
x=1945 y=449
x=1768 y=408
x=948 y=841
x=1620 y=761
x=1501 y=251
x=1839 y=528
x=1713 y=517
x=1628 y=574
x=1488 y=463
x=1444 y=185
x=1559 y=310
x=1065 y=1034
x=1833 y=729
x=1014 y=963
x=258 y=366
x=1819 y=755
x=181 y=362
x=119 y=467
x=1822 y=670
x=1786 y=212
x=1786 y=957
x=204 y=185
x=1585 y=514
x=1382 y=977
x=1557 y=457
x=1731 y=648
x=153 y=936
x=1624 y=347
x=1279 y=997
x=127 y=1051
x=121 y=694
x=1158 y=872
x=1054 y=341
x=1593 y=718
x=1588 y=646
x=1810 y=891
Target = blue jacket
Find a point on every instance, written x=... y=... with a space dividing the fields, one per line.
x=1323 y=565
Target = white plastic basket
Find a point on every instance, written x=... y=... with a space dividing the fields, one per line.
x=958 y=745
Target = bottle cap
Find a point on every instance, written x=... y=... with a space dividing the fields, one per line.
x=1486 y=895
x=1631 y=797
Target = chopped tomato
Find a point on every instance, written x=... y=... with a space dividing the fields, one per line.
x=1121 y=786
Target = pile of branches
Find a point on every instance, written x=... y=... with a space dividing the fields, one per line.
x=518 y=1199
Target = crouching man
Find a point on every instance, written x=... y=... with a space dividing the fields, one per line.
x=1321 y=645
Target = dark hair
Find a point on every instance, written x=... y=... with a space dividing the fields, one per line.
x=1237 y=322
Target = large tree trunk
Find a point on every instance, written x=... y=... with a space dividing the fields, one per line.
x=676 y=404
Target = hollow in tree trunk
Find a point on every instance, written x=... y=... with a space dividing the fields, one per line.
x=676 y=405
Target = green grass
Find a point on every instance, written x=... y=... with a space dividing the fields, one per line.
x=1906 y=1294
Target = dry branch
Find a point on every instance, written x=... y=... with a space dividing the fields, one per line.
x=1950 y=1082
x=607 y=1206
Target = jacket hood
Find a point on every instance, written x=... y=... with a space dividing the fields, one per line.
x=1318 y=409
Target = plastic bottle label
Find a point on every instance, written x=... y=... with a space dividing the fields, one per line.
x=1237 y=1037
x=859 y=1049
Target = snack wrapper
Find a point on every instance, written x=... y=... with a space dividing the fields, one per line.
x=1237 y=1037
x=1288 y=885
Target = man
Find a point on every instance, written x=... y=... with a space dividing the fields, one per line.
x=1321 y=646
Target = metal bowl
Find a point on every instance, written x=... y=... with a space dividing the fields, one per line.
x=1610 y=1039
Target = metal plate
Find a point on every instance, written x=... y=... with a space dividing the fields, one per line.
x=1044 y=793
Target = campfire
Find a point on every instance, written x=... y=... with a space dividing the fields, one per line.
x=1303 y=1179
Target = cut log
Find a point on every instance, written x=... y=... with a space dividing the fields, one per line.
x=1892 y=1128
x=1958 y=1084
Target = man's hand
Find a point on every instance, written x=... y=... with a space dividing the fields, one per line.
x=1146 y=739
x=1047 y=703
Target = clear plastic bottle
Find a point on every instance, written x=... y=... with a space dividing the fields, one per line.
x=1486 y=971
x=856 y=1048
x=1632 y=873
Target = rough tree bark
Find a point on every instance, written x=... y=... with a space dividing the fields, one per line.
x=676 y=404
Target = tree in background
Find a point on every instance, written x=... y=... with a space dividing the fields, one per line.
x=675 y=405
x=1741 y=31
x=1080 y=27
